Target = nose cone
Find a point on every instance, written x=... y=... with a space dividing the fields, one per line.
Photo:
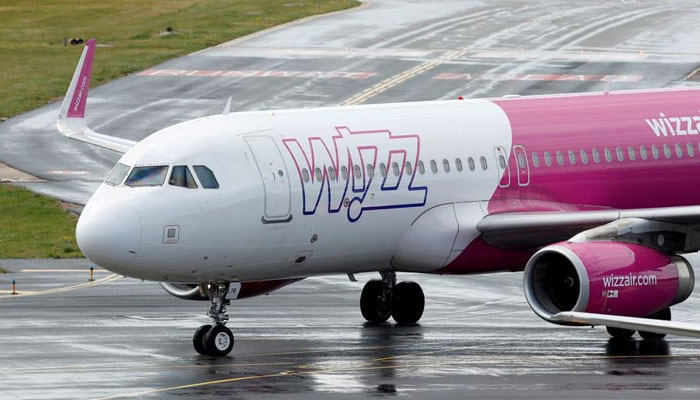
x=109 y=234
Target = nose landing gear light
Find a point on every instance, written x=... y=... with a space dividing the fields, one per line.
x=217 y=339
x=404 y=301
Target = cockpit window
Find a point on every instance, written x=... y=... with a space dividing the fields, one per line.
x=147 y=176
x=116 y=177
x=206 y=177
x=181 y=176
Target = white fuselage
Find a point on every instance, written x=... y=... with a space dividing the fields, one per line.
x=272 y=218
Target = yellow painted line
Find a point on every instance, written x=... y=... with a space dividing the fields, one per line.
x=135 y=367
x=66 y=288
x=63 y=270
x=19 y=292
x=402 y=77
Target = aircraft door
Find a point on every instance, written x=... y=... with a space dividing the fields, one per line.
x=502 y=165
x=275 y=178
x=522 y=165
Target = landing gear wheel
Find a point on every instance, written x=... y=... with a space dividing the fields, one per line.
x=218 y=341
x=407 y=303
x=620 y=333
x=664 y=315
x=375 y=301
x=198 y=339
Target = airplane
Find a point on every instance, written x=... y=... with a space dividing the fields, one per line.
x=594 y=196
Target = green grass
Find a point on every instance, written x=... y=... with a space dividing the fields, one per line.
x=34 y=226
x=36 y=68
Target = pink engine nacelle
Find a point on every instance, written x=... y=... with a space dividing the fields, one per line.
x=606 y=278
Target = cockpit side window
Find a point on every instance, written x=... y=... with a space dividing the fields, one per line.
x=116 y=177
x=147 y=176
x=181 y=176
x=206 y=177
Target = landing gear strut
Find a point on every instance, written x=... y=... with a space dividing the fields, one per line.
x=381 y=298
x=216 y=339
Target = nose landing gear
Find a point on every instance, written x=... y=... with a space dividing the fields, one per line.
x=217 y=339
x=382 y=298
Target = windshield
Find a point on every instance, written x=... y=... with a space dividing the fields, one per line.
x=181 y=176
x=147 y=176
x=116 y=177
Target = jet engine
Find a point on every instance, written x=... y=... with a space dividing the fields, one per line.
x=605 y=278
x=193 y=291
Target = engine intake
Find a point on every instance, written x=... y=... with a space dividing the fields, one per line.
x=605 y=278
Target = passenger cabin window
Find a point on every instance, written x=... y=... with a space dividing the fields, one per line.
x=560 y=158
x=370 y=171
x=305 y=174
x=446 y=165
x=620 y=154
x=691 y=150
x=548 y=158
x=521 y=160
x=408 y=168
x=458 y=164
x=421 y=167
x=382 y=170
x=679 y=150
x=147 y=176
x=433 y=166
x=572 y=157
x=472 y=166
x=344 y=172
x=331 y=173
x=608 y=155
x=596 y=156
x=643 y=152
x=182 y=177
x=584 y=156
x=502 y=161
x=206 y=177
x=632 y=154
x=317 y=172
x=357 y=172
x=483 y=162
x=395 y=168
x=535 y=160
x=667 y=151
x=116 y=177
x=655 y=151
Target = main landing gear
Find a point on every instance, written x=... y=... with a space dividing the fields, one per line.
x=622 y=333
x=216 y=339
x=384 y=298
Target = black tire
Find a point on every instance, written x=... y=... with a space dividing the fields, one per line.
x=620 y=333
x=664 y=315
x=219 y=341
x=407 y=303
x=374 y=305
x=198 y=339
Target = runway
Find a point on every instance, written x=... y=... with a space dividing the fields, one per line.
x=65 y=338
x=383 y=51
x=123 y=338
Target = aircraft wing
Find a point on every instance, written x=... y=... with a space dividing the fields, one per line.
x=71 y=117
x=533 y=229
x=640 y=324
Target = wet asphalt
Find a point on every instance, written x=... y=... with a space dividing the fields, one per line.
x=68 y=339
x=123 y=338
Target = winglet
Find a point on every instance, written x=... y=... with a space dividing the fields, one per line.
x=71 y=117
x=227 y=107
x=74 y=103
